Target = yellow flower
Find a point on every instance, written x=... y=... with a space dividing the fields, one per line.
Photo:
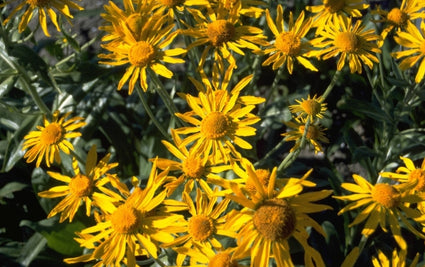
x=133 y=228
x=413 y=40
x=193 y=167
x=50 y=139
x=333 y=9
x=353 y=43
x=223 y=32
x=270 y=218
x=249 y=8
x=309 y=108
x=397 y=17
x=315 y=134
x=203 y=226
x=220 y=118
x=44 y=8
x=208 y=256
x=384 y=203
x=82 y=187
x=409 y=173
x=133 y=16
x=147 y=50
x=289 y=44
x=396 y=259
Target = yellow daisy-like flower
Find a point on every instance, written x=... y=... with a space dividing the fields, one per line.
x=353 y=43
x=82 y=187
x=133 y=16
x=220 y=118
x=204 y=224
x=289 y=44
x=223 y=32
x=413 y=40
x=270 y=218
x=249 y=8
x=314 y=136
x=409 y=173
x=193 y=167
x=134 y=228
x=50 y=139
x=333 y=9
x=397 y=17
x=384 y=204
x=202 y=256
x=44 y=8
x=397 y=259
x=309 y=108
x=149 y=50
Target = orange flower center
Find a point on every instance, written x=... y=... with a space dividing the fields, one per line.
x=312 y=132
x=172 y=3
x=220 y=31
x=126 y=219
x=397 y=17
x=201 y=227
x=347 y=42
x=81 y=185
x=386 y=195
x=135 y=24
x=275 y=219
x=193 y=168
x=52 y=134
x=222 y=260
x=263 y=176
x=39 y=3
x=215 y=125
x=333 y=6
x=288 y=43
x=141 y=54
x=311 y=107
x=419 y=175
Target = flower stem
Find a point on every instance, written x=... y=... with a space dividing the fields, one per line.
x=294 y=154
x=331 y=84
x=168 y=101
x=149 y=111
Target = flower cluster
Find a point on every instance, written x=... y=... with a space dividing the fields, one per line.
x=209 y=198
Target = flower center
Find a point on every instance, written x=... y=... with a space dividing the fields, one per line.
x=201 y=227
x=333 y=6
x=397 y=17
x=222 y=259
x=81 y=185
x=312 y=132
x=126 y=219
x=347 y=41
x=172 y=3
x=275 y=219
x=135 y=24
x=288 y=43
x=52 y=134
x=220 y=31
x=419 y=175
x=39 y=3
x=215 y=125
x=311 y=107
x=192 y=167
x=141 y=54
x=386 y=195
x=263 y=176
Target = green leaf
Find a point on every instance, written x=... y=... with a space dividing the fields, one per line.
x=8 y=190
x=31 y=249
x=366 y=109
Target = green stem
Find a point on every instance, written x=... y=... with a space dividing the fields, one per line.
x=26 y=83
x=149 y=111
x=272 y=90
x=331 y=84
x=168 y=101
x=270 y=153
x=293 y=155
